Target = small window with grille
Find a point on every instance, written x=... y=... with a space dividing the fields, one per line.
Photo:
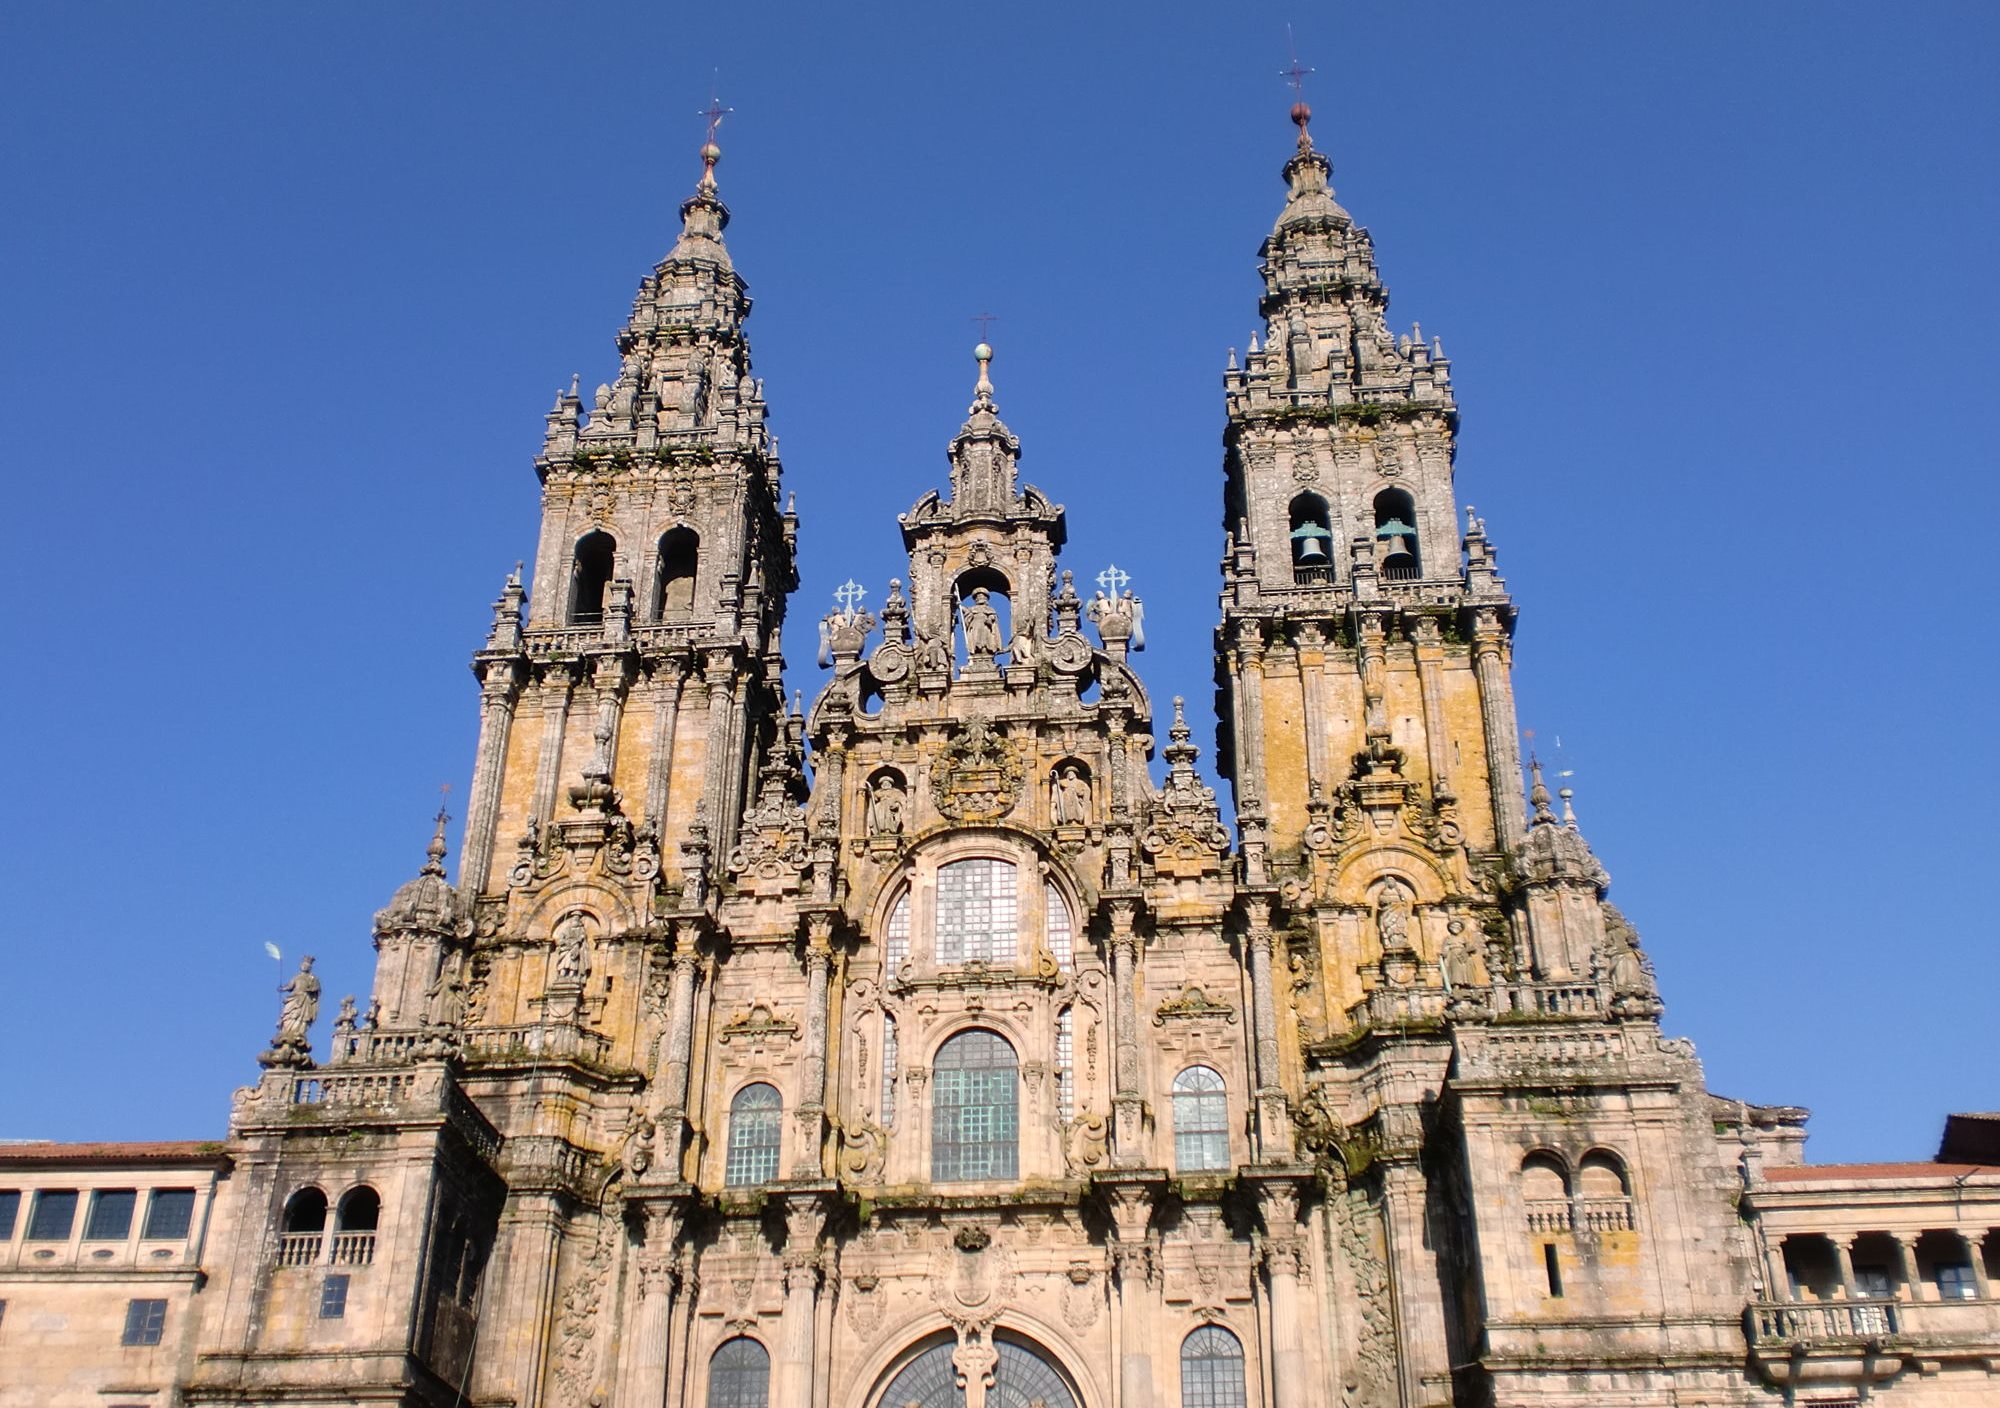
x=145 y=1321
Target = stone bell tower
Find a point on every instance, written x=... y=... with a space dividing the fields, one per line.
x=1472 y=1015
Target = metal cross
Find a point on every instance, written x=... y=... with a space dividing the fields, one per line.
x=849 y=595
x=715 y=112
x=1113 y=579
x=1296 y=74
x=984 y=320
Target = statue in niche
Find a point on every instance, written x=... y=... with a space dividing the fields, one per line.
x=982 y=626
x=887 y=805
x=1021 y=649
x=1458 y=972
x=1069 y=797
x=445 y=1001
x=301 y=1005
x=572 y=950
x=1392 y=918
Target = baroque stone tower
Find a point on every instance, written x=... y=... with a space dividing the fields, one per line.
x=919 y=1049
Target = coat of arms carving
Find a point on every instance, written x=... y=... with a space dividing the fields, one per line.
x=977 y=777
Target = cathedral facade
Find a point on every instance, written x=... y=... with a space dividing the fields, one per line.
x=911 y=1048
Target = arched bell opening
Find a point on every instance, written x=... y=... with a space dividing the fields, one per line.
x=1396 y=536
x=1312 y=541
x=590 y=577
x=673 y=590
x=982 y=603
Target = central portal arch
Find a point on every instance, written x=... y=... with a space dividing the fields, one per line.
x=1023 y=1377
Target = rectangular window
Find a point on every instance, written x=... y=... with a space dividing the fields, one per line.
x=10 y=1209
x=169 y=1214
x=1552 y=1268
x=333 y=1298
x=145 y=1321
x=54 y=1215
x=1954 y=1281
x=110 y=1217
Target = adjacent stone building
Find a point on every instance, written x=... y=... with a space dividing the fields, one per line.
x=914 y=1048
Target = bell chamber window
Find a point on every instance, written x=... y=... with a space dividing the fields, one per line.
x=977 y=912
x=1212 y=1369
x=1396 y=536
x=754 y=1120
x=1201 y=1120
x=739 y=1375
x=1312 y=540
x=975 y=1109
x=680 y=552
x=590 y=578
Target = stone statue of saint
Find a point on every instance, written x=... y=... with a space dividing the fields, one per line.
x=572 y=950
x=1069 y=797
x=1021 y=649
x=982 y=626
x=295 y=1018
x=1392 y=918
x=446 y=1000
x=1458 y=974
x=933 y=655
x=885 y=808
x=1629 y=977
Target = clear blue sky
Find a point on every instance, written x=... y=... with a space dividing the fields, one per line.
x=288 y=288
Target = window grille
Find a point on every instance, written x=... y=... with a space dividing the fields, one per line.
x=145 y=1321
x=975 y=1112
x=1212 y=1370
x=976 y=912
x=54 y=1215
x=169 y=1214
x=889 y=1059
x=896 y=945
x=110 y=1217
x=1066 y=1064
x=755 y=1117
x=1201 y=1120
x=333 y=1297
x=739 y=1375
x=1061 y=936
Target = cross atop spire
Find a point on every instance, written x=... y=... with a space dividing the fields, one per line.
x=1296 y=76
x=710 y=152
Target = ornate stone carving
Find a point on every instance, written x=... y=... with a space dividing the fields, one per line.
x=1193 y=1005
x=976 y=776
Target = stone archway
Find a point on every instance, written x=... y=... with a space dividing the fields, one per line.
x=1023 y=1377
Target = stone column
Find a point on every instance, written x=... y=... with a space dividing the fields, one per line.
x=717 y=786
x=819 y=967
x=1913 y=1284
x=609 y=680
x=672 y=1105
x=1312 y=692
x=1260 y=942
x=1496 y=709
x=499 y=688
x=1126 y=1104
x=645 y=1349
x=1132 y=1263
x=525 y=1251
x=1843 y=1253
x=557 y=683
x=1284 y=1256
x=668 y=677
x=1429 y=642
x=1250 y=710
x=804 y=1219
x=1974 y=1258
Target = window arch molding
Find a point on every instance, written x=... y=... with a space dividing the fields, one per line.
x=1018 y=1338
x=1036 y=869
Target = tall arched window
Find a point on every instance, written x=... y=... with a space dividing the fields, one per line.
x=896 y=942
x=1212 y=1369
x=1396 y=536
x=305 y=1228
x=975 y=1109
x=1066 y=1064
x=977 y=912
x=680 y=553
x=1022 y=1377
x=739 y=1375
x=354 y=1227
x=755 y=1116
x=1312 y=540
x=590 y=576
x=1603 y=1194
x=1201 y=1120
x=1061 y=934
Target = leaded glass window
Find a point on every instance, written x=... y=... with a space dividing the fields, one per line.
x=110 y=1217
x=1212 y=1369
x=1021 y=1378
x=977 y=912
x=169 y=1214
x=1066 y=1064
x=889 y=1059
x=739 y=1375
x=896 y=943
x=1061 y=936
x=1201 y=1120
x=975 y=1111
x=755 y=1116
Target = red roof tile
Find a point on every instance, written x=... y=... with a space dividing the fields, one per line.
x=176 y=1151
x=1803 y=1173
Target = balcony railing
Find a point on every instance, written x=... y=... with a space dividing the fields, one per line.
x=1604 y=1214
x=299 y=1248
x=1583 y=999
x=1396 y=1007
x=353 y=1249
x=1805 y=1322
x=1548 y=1215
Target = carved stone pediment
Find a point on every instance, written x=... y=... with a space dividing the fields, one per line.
x=977 y=776
x=760 y=1024
x=1193 y=1005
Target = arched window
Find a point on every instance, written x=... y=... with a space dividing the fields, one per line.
x=590 y=577
x=896 y=942
x=1396 y=536
x=1056 y=921
x=975 y=1109
x=739 y=1375
x=754 y=1119
x=1201 y=1120
x=304 y=1228
x=1603 y=1194
x=1312 y=540
x=354 y=1227
x=1021 y=1378
x=1545 y=1190
x=1212 y=1369
x=977 y=912
x=680 y=554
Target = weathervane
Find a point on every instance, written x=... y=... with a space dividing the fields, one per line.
x=714 y=112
